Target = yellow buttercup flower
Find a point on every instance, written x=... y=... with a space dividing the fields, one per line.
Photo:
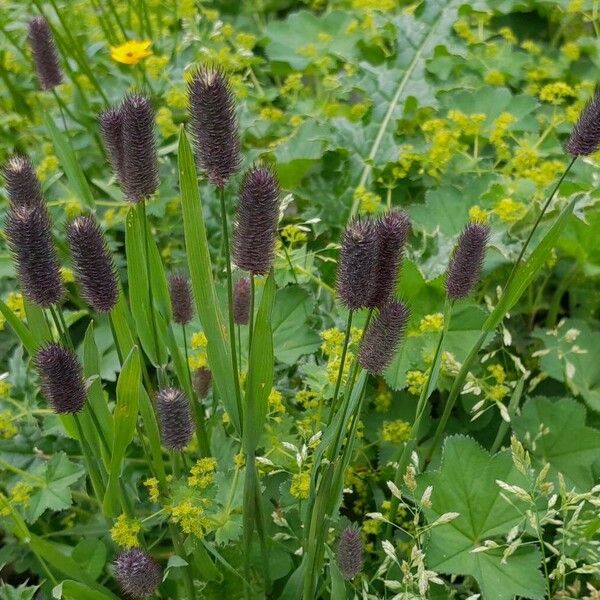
x=131 y=52
x=125 y=532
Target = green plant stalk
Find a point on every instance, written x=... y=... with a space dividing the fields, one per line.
x=464 y=370
x=251 y=315
x=225 y=229
x=411 y=443
x=340 y=374
x=95 y=477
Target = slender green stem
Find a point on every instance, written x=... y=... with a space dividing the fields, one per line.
x=464 y=370
x=236 y=377
x=92 y=470
x=251 y=316
x=340 y=374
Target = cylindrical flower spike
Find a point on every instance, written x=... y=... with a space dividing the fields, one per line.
x=201 y=381
x=140 y=159
x=44 y=53
x=585 y=137
x=138 y=574
x=256 y=221
x=29 y=234
x=181 y=299
x=61 y=378
x=355 y=284
x=383 y=336
x=111 y=128
x=22 y=184
x=93 y=262
x=241 y=301
x=174 y=418
x=214 y=125
x=466 y=261
x=350 y=553
x=392 y=232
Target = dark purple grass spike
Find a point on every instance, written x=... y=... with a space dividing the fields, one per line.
x=174 y=418
x=22 y=184
x=350 y=553
x=181 y=299
x=138 y=574
x=201 y=381
x=45 y=55
x=241 y=301
x=585 y=137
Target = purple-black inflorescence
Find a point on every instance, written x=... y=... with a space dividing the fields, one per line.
x=45 y=55
x=350 y=553
x=181 y=299
x=138 y=574
x=22 y=184
x=585 y=137
x=174 y=418
x=241 y=301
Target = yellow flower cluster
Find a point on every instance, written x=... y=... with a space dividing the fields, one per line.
x=369 y=201
x=444 y=145
x=152 y=485
x=271 y=113
x=415 y=380
x=156 y=66
x=571 y=50
x=7 y=427
x=125 y=532
x=463 y=30
x=432 y=323
x=4 y=388
x=469 y=124
x=176 y=99
x=556 y=92
x=498 y=134
x=383 y=400
x=202 y=474
x=199 y=340
x=380 y=5
x=509 y=210
x=495 y=77
x=395 y=432
x=497 y=372
x=294 y=234
x=190 y=518
x=407 y=157
x=164 y=122
x=47 y=166
x=478 y=214
x=308 y=399
x=300 y=486
x=508 y=35
x=333 y=340
x=20 y=494
x=275 y=401
x=198 y=361
x=292 y=85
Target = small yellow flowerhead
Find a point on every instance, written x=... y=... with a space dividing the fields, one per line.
x=125 y=532
x=300 y=487
x=131 y=52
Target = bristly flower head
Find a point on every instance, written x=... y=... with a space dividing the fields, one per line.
x=585 y=137
x=201 y=380
x=140 y=159
x=241 y=301
x=357 y=263
x=22 y=184
x=29 y=233
x=350 y=553
x=181 y=299
x=175 y=418
x=44 y=53
x=93 y=262
x=392 y=232
x=61 y=378
x=256 y=221
x=214 y=125
x=138 y=574
x=466 y=261
x=111 y=128
x=383 y=336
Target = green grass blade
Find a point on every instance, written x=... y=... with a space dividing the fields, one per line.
x=125 y=418
x=202 y=282
x=260 y=370
x=153 y=433
x=23 y=333
x=68 y=161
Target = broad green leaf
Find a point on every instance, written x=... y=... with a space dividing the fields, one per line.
x=123 y=324
x=36 y=321
x=200 y=268
x=68 y=161
x=567 y=443
x=125 y=419
x=466 y=484
x=91 y=555
x=153 y=433
x=53 y=492
x=23 y=333
x=73 y=590
x=260 y=370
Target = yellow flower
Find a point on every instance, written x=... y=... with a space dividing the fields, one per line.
x=432 y=323
x=198 y=361
x=190 y=518
x=468 y=124
x=21 y=493
x=571 y=50
x=383 y=400
x=557 y=92
x=498 y=133
x=199 y=340
x=300 y=486
x=497 y=372
x=497 y=392
x=296 y=121
x=245 y=40
x=131 y=52
x=275 y=401
x=478 y=214
x=494 y=77
x=15 y=302
x=508 y=35
x=509 y=210
x=176 y=98
x=292 y=84
x=47 y=167
x=415 y=380
x=125 y=532
x=152 y=485
x=395 y=431
x=67 y=275
x=294 y=234
x=7 y=427
x=155 y=66
x=308 y=398
x=202 y=473
x=333 y=341
x=165 y=123
x=271 y=113
x=531 y=47
x=369 y=201
x=407 y=157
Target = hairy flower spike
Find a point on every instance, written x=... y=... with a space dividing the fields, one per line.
x=256 y=221
x=22 y=184
x=61 y=378
x=383 y=336
x=93 y=262
x=140 y=159
x=241 y=301
x=138 y=574
x=357 y=263
x=585 y=137
x=350 y=553
x=466 y=261
x=175 y=418
x=111 y=128
x=181 y=299
x=201 y=381
x=214 y=125
x=29 y=233
x=44 y=53
x=392 y=232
